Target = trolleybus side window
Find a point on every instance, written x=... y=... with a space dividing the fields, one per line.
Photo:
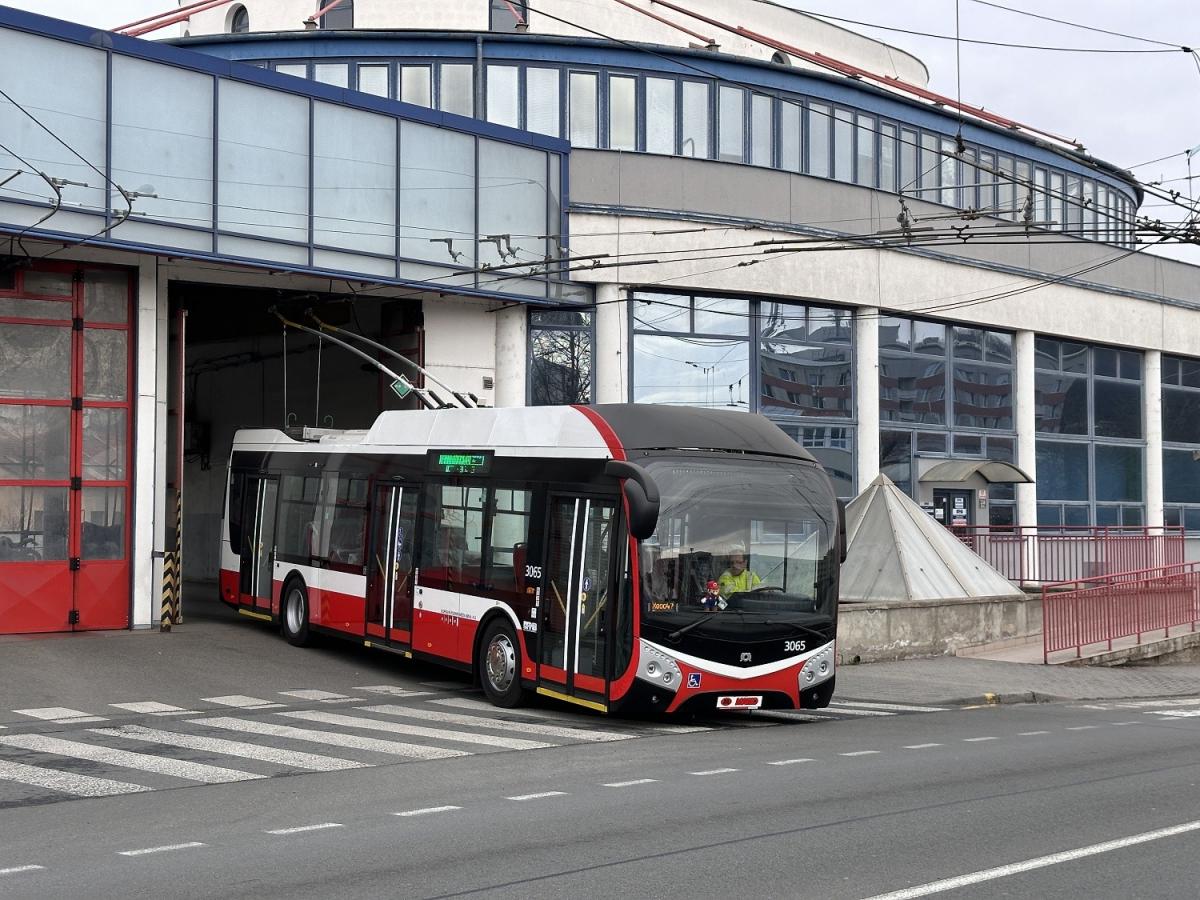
x=452 y=536
x=508 y=543
x=345 y=509
x=297 y=516
x=237 y=487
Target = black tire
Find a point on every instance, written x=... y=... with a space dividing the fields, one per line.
x=293 y=614
x=499 y=665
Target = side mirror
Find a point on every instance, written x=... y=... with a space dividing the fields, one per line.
x=641 y=493
x=843 y=549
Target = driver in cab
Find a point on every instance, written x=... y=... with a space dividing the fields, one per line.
x=737 y=578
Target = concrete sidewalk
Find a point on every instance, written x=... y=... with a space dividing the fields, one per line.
x=957 y=681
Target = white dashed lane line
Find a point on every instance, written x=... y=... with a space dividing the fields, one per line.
x=298 y=829
x=146 y=851
x=713 y=772
x=859 y=753
x=790 y=762
x=631 y=783
x=921 y=746
x=17 y=870
x=542 y=796
x=977 y=740
x=1081 y=727
x=1031 y=733
x=427 y=811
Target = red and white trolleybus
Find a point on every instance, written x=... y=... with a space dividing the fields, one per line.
x=563 y=550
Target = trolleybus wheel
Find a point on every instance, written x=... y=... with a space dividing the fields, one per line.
x=295 y=614
x=500 y=665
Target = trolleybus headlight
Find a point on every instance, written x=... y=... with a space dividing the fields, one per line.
x=817 y=668
x=658 y=668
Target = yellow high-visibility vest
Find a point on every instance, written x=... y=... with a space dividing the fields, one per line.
x=733 y=584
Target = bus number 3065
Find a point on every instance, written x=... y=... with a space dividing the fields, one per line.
x=794 y=646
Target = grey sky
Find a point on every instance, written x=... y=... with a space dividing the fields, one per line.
x=1125 y=108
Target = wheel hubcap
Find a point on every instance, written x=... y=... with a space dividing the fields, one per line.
x=501 y=663
x=295 y=610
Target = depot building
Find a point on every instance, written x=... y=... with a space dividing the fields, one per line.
x=721 y=203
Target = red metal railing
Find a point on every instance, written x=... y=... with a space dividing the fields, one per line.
x=1090 y=612
x=1044 y=554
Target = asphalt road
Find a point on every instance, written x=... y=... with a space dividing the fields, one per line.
x=1049 y=800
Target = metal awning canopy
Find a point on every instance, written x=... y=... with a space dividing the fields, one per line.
x=993 y=471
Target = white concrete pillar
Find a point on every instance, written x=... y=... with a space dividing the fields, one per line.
x=1152 y=424
x=512 y=354
x=149 y=442
x=866 y=395
x=611 y=365
x=1025 y=420
x=460 y=346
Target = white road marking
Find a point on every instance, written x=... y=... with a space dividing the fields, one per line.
x=1086 y=727
x=461 y=737
x=790 y=762
x=427 y=811
x=393 y=690
x=16 y=870
x=587 y=735
x=540 y=796
x=319 y=696
x=713 y=772
x=1031 y=733
x=446 y=685
x=920 y=746
x=294 y=758
x=860 y=753
x=302 y=828
x=127 y=759
x=165 y=849
x=241 y=701
x=898 y=707
x=632 y=783
x=67 y=782
x=59 y=715
x=976 y=740
x=1176 y=713
x=1125 y=723
x=548 y=715
x=333 y=738
x=961 y=881
x=153 y=708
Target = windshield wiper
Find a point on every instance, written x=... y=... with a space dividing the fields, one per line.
x=675 y=635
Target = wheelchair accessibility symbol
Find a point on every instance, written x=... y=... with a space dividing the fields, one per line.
x=694 y=679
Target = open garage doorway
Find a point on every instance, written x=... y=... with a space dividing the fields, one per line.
x=243 y=369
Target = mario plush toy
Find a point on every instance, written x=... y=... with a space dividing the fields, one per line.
x=712 y=600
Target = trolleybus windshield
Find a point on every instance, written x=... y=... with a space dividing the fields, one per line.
x=742 y=549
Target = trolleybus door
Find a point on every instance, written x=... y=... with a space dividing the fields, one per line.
x=578 y=596
x=258 y=542
x=390 y=567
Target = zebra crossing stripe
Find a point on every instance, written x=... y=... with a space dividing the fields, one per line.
x=127 y=759
x=487 y=740
x=294 y=758
x=318 y=696
x=241 y=701
x=60 y=715
x=394 y=690
x=66 y=782
x=332 y=738
x=153 y=708
x=433 y=715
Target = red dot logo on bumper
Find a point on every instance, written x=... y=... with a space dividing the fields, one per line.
x=739 y=702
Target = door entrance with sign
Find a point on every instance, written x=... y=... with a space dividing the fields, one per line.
x=954 y=507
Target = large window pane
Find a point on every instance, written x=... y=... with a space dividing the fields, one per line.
x=931 y=166
x=104 y=444
x=949 y=174
x=33 y=524
x=502 y=101
x=35 y=361
x=375 y=80
x=437 y=194
x=695 y=137
x=843 y=145
x=34 y=442
x=721 y=315
x=512 y=202
x=983 y=397
x=1061 y=404
x=663 y=313
x=1118 y=409
x=909 y=176
x=693 y=372
x=102 y=525
x=789 y=136
x=887 y=157
x=105 y=297
x=1181 y=417
x=912 y=389
x=864 y=171
x=541 y=101
x=105 y=364
x=762 y=130
x=806 y=380
x=660 y=115
x=1181 y=477
x=561 y=371
x=1118 y=473
x=819 y=129
x=1062 y=471
x=416 y=84
x=895 y=458
x=833 y=448
x=331 y=73
x=622 y=113
x=731 y=119
x=457 y=89
x=263 y=158
x=354 y=179
x=583 y=110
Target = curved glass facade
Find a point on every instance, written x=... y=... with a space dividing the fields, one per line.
x=905 y=150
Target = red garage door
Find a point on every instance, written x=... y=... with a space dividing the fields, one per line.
x=65 y=428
